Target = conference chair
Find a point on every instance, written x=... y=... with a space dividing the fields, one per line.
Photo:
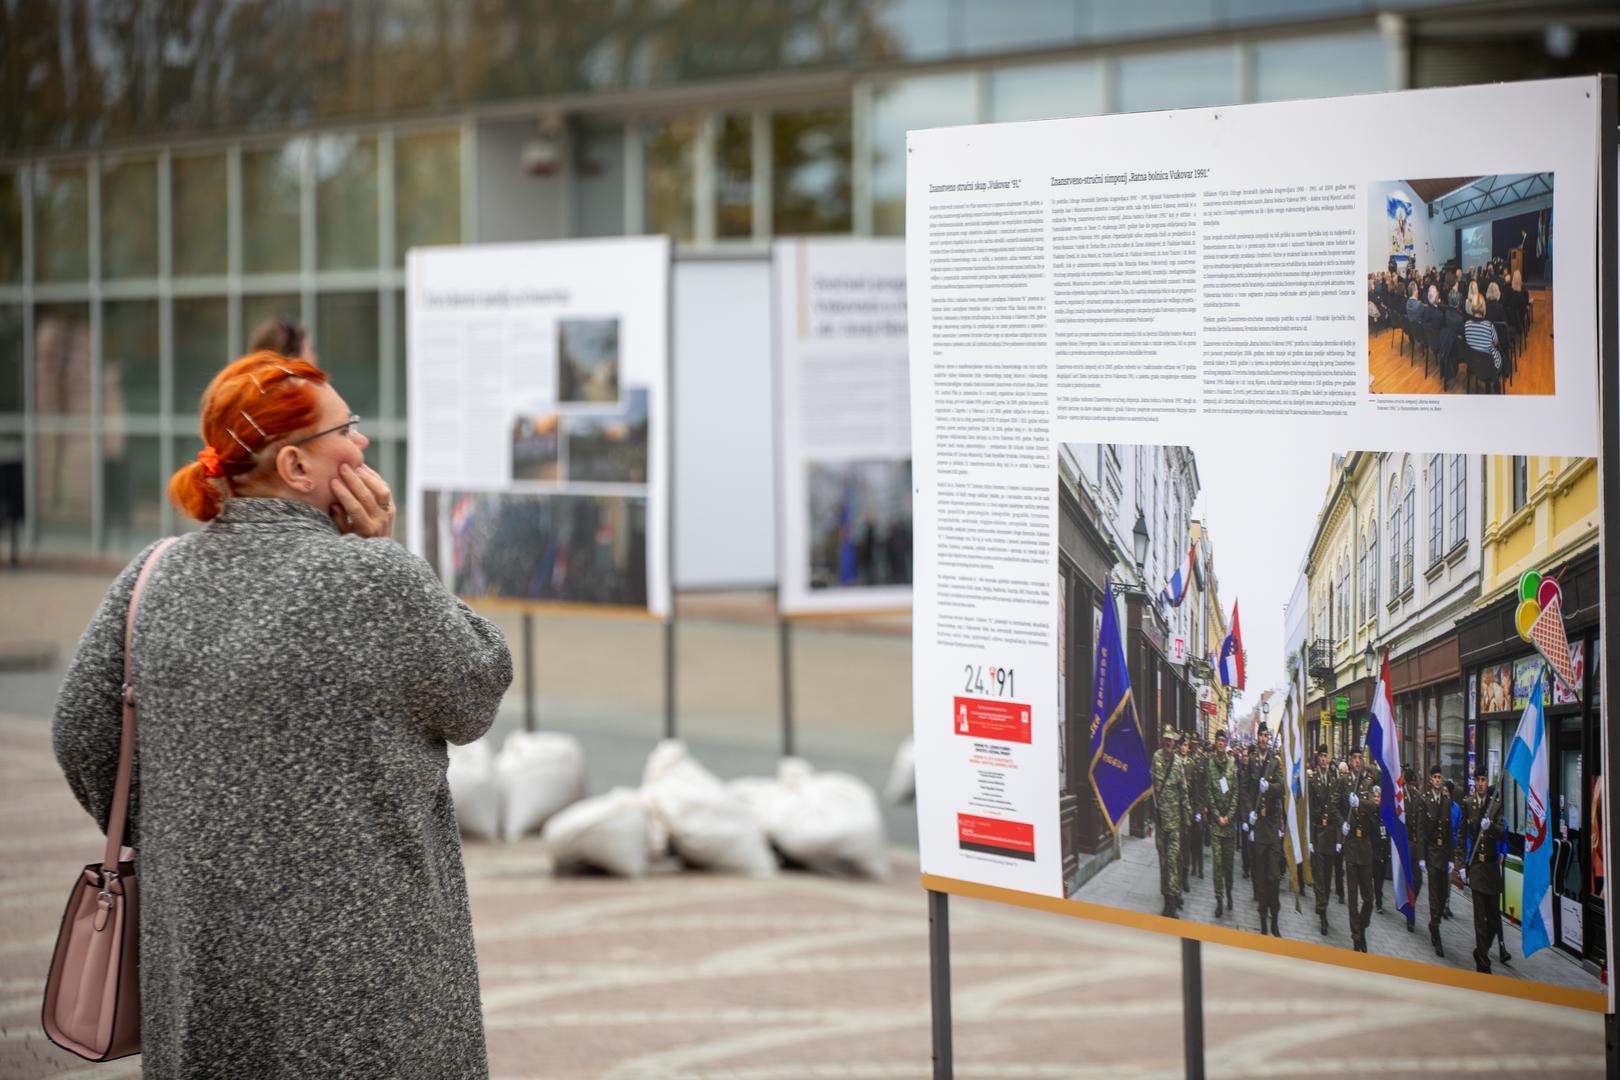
x=1481 y=367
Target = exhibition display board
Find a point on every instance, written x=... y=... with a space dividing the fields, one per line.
x=1271 y=428
x=539 y=404
x=843 y=426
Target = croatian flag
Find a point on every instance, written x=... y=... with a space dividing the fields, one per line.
x=1175 y=592
x=1232 y=654
x=1527 y=764
x=1386 y=753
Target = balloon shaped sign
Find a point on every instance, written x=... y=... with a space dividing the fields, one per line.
x=1529 y=611
x=1529 y=583
x=1549 y=591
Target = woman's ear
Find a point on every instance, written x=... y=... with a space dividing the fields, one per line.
x=293 y=470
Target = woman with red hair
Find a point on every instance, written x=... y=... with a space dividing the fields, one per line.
x=303 y=905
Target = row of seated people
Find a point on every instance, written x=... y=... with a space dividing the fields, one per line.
x=1475 y=308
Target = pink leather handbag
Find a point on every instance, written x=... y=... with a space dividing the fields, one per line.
x=93 y=993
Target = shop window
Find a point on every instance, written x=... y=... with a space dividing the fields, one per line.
x=272 y=186
x=671 y=149
x=1324 y=66
x=734 y=177
x=129 y=219
x=1453 y=751
x=11 y=228
x=897 y=107
x=346 y=324
x=345 y=202
x=201 y=348
x=133 y=488
x=198 y=197
x=129 y=359
x=62 y=361
x=11 y=359
x=61 y=223
x=1185 y=79
x=63 y=465
x=427 y=191
x=812 y=190
x=1040 y=91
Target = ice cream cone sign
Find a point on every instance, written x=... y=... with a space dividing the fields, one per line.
x=1540 y=621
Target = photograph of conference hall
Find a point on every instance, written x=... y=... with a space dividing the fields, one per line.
x=1460 y=284
x=1281 y=809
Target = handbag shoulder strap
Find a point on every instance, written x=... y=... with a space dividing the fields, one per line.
x=118 y=816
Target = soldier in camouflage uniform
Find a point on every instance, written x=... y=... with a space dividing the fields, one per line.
x=1169 y=808
x=1321 y=786
x=1435 y=847
x=1477 y=841
x=1197 y=804
x=1221 y=787
x=1242 y=755
x=1266 y=823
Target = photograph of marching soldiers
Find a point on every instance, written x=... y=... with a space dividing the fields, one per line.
x=1344 y=698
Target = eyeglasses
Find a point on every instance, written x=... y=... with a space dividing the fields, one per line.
x=348 y=428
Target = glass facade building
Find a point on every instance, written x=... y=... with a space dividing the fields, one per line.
x=170 y=176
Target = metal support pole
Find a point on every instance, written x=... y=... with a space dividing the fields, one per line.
x=1611 y=1049
x=784 y=638
x=528 y=672
x=669 y=677
x=939 y=982
x=1609 y=509
x=1192 y=1006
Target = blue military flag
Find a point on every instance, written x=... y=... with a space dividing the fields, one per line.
x=1120 y=772
x=1527 y=764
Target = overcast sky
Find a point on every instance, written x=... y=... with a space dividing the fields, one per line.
x=1259 y=501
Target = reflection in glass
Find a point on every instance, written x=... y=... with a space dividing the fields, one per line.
x=348 y=345
x=129 y=358
x=599 y=182
x=734 y=177
x=900 y=106
x=11 y=360
x=993 y=25
x=427 y=191
x=256 y=308
x=63 y=464
x=62 y=359
x=811 y=189
x=1319 y=67
x=129 y=219
x=272 y=180
x=1131 y=20
x=198 y=186
x=132 y=489
x=1188 y=79
x=671 y=148
x=201 y=349
x=1041 y=91
x=61 y=224
x=345 y=202
x=11 y=237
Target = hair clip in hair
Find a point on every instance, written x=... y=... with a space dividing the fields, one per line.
x=254 y=422
x=232 y=433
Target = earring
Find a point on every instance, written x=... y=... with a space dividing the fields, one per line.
x=309 y=485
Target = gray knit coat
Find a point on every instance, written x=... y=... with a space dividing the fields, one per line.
x=303 y=904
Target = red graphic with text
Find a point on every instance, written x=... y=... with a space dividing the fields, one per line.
x=1014 y=839
x=1006 y=721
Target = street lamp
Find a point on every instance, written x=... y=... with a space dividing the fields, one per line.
x=1139 y=538
x=1371 y=656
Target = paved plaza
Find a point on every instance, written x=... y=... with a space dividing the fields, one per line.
x=686 y=975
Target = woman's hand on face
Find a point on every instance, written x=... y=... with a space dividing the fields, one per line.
x=365 y=505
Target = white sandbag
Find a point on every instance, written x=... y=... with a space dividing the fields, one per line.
x=709 y=827
x=826 y=821
x=608 y=833
x=471 y=774
x=902 y=785
x=538 y=773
